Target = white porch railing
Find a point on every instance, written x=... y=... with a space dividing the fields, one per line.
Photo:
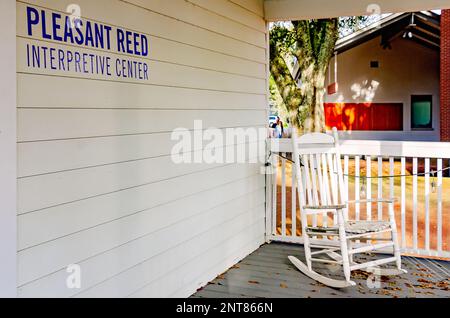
x=420 y=185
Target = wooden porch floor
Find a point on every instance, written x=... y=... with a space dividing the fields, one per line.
x=267 y=273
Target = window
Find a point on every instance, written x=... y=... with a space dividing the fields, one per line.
x=422 y=112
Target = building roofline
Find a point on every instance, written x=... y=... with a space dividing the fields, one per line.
x=428 y=18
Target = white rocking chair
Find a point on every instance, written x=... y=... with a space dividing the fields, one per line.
x=321 y=190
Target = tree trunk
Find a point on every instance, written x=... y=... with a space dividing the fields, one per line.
x=319 y=94
x=313 y=89
x=292 y=96
x=315 y=41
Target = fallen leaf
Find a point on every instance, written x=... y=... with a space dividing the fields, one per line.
x=444 y=285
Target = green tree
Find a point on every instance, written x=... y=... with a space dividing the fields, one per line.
x=311 y=43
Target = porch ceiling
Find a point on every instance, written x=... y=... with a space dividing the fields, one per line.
x=284 y=10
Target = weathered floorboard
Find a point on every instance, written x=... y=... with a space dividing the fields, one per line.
x=267 y=273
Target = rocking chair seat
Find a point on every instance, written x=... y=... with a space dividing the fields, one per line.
x=362 y=227
x=355 y=227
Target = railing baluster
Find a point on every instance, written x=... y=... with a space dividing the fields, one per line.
x=439 y=207
x=403 y=201
x=357 y=187
x=415 y=170
x=391 y=179
x=369 y=187
x=427 y=204
x=346 y=163
x=380 y=188
x=294 y=202
x=274 y=194
x=283 y=195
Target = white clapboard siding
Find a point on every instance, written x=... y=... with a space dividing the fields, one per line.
x=165 y=74
x=234 y=252
x=122 y=278
x=157 y=24
x=97 y=185
x=182 y=54
x=229 y=9
x=63 y=220
x=187 y=12
x=46 y=157
x=106 y=94
x=165 y=50
x=74 y=249
x=51 y=124
x=54 y=189
x=255 y=6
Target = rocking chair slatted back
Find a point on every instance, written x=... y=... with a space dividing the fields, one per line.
x=319 y=172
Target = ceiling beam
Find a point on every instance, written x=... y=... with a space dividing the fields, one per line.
x=425 y=33
x=370 y=32
x=285 y=10
x=425 y=44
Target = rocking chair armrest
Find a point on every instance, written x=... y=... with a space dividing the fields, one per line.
x=389 y=201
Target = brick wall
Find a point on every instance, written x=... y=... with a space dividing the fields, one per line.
x=445 y=75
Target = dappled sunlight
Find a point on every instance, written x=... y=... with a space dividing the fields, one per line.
x=365 y=91
x=360 y=113
x=363 y=116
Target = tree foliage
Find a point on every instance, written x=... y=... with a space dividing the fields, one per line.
x=311 y=43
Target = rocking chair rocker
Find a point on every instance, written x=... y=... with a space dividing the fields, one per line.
x=321 y=190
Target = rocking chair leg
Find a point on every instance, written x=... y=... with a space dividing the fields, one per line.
x=344 y=250
x=307 y=249
x=350 y=247
x=397 y=253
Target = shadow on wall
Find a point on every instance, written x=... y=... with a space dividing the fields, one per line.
x=364 y=116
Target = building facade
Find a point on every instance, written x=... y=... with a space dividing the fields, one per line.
x=91 y=204
x=377 y=88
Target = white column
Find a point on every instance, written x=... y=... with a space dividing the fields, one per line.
x=8 y=150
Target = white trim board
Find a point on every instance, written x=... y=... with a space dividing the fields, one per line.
x=8 y=153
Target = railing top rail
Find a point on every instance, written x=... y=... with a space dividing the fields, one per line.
x=412 y=149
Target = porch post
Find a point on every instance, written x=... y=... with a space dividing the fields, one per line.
x=445 y=75
x=8 y=152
